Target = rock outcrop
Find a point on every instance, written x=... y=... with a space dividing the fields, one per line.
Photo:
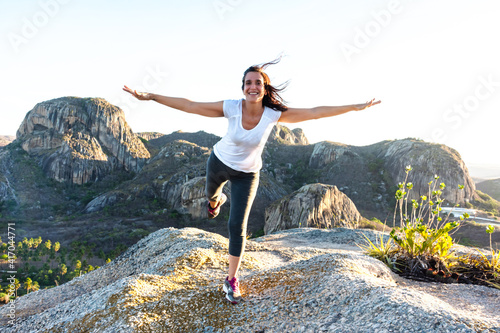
x=428 y=160
x=150 y=135
x=369 y=174
x=301 y=280
x=7 y=192
x=316 y=206
x=200 y=138
x=176 y=175
x=78 y=140
x=284 y=135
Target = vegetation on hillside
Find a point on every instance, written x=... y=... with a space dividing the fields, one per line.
x=487 y=203
x=43 y=264
x=491 y=187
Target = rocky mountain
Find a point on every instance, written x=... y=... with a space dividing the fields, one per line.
x=87 y=141
x=300 y=280
x=176 y=178
x=78 y=140
x=6 y=139
x=368 y=175
x=428 y=160
x=280 y=134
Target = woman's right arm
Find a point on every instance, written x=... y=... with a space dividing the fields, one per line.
x=213 y=109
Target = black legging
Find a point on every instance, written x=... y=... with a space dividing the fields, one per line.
x=243 y=189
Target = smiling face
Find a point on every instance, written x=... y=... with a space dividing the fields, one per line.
x=253 y=87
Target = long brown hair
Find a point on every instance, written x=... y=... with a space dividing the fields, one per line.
x=272 y=98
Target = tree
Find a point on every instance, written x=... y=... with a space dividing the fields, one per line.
x=37 y=241
x=35 y=286
x=28 y=284
x=78 y=268
x=63 y=269
x=57 y=246
x=17 y=285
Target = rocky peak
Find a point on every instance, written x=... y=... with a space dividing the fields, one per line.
x=78 y=140
x=284 y=135
x=368 y=174
x=325 y=153
x=427 y=161
x=150 y=135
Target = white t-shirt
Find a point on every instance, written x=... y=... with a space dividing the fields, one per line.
x=241 y=149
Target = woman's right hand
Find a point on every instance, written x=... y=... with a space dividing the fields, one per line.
x=139 y=95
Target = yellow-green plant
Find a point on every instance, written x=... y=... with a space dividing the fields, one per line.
x=418 y=240
x=384 y=251
x=422 y=231
x=422 y=235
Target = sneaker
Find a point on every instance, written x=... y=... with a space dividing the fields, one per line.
x=232 y=290
x=213 y=212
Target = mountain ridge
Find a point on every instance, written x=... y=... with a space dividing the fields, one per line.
x=166 y=187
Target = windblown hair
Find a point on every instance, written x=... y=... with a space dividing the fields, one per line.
x=272 y=98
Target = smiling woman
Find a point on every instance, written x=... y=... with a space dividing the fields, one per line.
x=237 y=157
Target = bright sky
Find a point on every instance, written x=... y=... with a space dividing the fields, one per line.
x=434 y=64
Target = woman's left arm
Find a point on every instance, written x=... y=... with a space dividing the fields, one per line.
x=296 y=115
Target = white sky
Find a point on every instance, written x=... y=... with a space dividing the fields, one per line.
x=434 y=64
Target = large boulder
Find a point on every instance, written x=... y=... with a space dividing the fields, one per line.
x=78 y=140
x=313 y=205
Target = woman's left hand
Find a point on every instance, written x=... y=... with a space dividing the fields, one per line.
x=360 y=107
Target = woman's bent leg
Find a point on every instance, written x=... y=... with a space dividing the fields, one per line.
x=243 y=191
x=217 y=177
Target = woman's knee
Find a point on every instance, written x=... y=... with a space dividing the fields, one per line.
x=236 y=246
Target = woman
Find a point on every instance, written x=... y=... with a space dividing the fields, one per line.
x=237 y=156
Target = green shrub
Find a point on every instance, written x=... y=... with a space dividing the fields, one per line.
x=422 y=239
